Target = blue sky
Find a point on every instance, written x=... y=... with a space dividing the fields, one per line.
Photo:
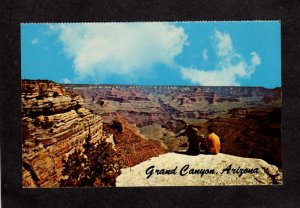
x=161 y=53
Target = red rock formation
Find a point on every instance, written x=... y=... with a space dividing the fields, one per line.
x=129 y=143
x=54 y=124
x=46 y=98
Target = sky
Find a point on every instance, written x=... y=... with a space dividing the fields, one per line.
x=154 y=53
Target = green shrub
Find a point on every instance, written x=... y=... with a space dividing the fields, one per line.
x=95 y=165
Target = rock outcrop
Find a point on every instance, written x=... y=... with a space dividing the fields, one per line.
x=54 y=125
x=174 y=169
x=132 y=147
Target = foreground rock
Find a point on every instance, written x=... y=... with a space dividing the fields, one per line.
x=259 y=172
x=54 y=125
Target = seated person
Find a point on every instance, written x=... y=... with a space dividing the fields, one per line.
x=193 y=138
x=211 y=144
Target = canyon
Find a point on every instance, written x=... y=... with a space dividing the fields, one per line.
x=146 y=105
x=138 y=123
x=247 y=119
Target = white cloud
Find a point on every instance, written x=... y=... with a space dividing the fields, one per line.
x=35 y=41
x=255 y=59
x=119 y=48
x=204 y=54
x=230 y=66
x=66 y=81
x=223 y=43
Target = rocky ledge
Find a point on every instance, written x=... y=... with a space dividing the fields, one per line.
x=54 y=125
x=174 y=169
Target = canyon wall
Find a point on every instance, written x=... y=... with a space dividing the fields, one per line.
x=146 y=105
x=54 y=124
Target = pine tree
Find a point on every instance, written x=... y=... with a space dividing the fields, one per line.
x=95 y=165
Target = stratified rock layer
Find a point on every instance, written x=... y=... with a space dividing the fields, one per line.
x=136 y=176
x=147 y=105
x=54 y=124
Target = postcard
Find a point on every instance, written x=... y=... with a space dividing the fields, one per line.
x=145 y=104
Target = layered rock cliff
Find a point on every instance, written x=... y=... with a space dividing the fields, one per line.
x=54 y=125
x=173 y=169
x=146 y=105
